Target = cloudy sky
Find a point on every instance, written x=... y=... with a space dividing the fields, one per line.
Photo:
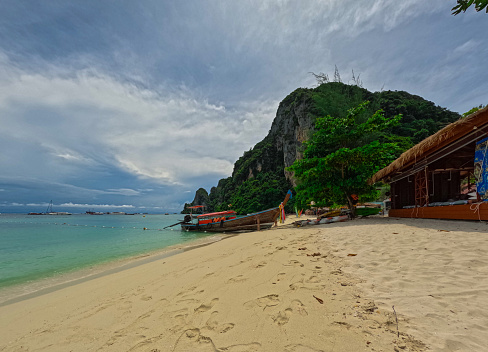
x=133 y=105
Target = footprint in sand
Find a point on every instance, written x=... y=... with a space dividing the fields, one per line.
x=261 y=264
x=342 y=324
x=296 y=307
x=312 y=280
x=242 y=262
x=280 y=276
x=264 y=302
x=147 y=314
x=185 y=293
x=187 y=301
x=283 y=317
x=181 y=320
x=226 y=327
x=294 y=263
x=250 y=347
x=300 y=348
x=238 y=278
x=205 y=307
x=313 y=286
x=193 y=340
x=213 y=324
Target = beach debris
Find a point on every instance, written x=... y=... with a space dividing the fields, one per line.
x=321 y=301
x=396 y=318
x=330 y=220
x=314 y=254
x=443 y=230
x=302 y=248
x=369 y=307
x=352 y=254
x=336 y=217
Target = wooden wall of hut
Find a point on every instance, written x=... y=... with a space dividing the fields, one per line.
x=444 y=186
x=403 y=193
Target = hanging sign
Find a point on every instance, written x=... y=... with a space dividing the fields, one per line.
x=481 y=168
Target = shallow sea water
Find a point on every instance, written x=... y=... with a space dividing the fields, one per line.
x=44 y=248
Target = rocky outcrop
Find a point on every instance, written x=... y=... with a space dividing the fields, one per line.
x=201 y=198
x=292 y=126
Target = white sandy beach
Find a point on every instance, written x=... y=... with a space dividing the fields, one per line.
x=318 y=288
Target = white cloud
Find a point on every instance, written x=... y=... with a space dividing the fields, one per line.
x=97 y=206
x=69 y=205
x=124 y=192
x=88 y=117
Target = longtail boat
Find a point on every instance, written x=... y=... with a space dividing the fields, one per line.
x=226 y=221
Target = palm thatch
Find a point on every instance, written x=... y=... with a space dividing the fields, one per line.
x=435 y=142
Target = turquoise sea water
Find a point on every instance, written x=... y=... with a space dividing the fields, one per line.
x=36 y=247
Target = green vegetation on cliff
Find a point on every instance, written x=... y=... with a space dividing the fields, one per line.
x=260 y=180
x=340 y=158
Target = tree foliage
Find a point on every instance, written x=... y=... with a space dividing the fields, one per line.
x=341 y=156
x=473 y=110
x=463 y=5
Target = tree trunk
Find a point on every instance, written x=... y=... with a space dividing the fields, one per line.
x=352 y=207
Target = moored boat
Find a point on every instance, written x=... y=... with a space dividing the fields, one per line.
x=227 y=221
x=50 y=211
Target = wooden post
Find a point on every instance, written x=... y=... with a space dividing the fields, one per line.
x=393 y=196
x=259 y=224
x=421 y=188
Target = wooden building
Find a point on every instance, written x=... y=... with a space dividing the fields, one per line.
x=437 y=178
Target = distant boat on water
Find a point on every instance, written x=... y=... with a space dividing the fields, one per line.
x=49 y=211
x=90 y=212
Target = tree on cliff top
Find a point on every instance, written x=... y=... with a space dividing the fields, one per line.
x=341 y=156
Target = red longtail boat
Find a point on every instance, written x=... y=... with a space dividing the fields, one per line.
x=226 y=221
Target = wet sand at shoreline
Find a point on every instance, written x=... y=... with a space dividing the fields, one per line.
x=318 y=288
x=37 y=288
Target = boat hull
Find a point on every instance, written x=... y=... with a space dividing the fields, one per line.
x=251 y=222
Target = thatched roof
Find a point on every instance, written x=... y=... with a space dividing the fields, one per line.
x=435 y=142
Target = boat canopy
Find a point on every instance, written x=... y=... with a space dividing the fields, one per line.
x=229 y=212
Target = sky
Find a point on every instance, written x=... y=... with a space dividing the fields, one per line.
x=134 y=105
